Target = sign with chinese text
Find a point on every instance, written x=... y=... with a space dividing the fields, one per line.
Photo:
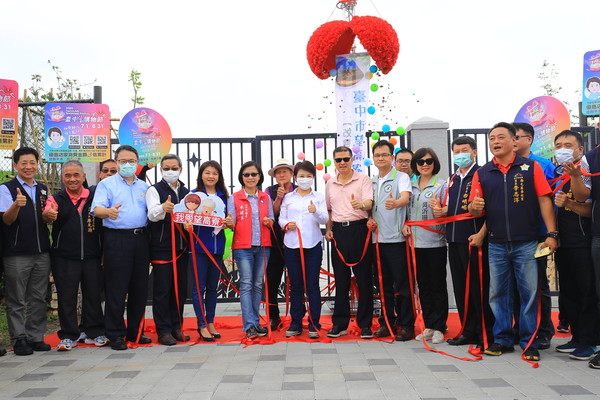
x=9 y=114
x=590 y=104
x=549 y=117
x=79 y=131
x=351 y=93
x=148 y=132
x=200 y=209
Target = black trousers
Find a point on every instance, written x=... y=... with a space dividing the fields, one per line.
x=458 y=255
x=576 y=277
x=275 y=268
x=126 y=267
x=350 y=242
x=433 y=291
x=396 y=285
x=167 y=316
x=68 y=274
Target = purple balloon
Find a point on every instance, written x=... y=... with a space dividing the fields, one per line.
x=318 y=144
x=356 y=149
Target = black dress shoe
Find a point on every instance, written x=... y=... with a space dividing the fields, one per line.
x=22 y=348
x=145 y=340
x=366 y=333
x=179 y=336
x=261 y=330
x=461 y=341
x=336 y=331
x=543 y=343
x=382 y=332
x=206 y=338
x=40 y=346
x=216 y=335
x=405 y=334
x=118 y=344
x=2 y=352
x=166 y=339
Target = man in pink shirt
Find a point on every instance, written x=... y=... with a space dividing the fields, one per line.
x=349 y=197
x=75 y=256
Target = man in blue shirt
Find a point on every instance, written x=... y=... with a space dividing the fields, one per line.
x=525 y=135
x=120 y=201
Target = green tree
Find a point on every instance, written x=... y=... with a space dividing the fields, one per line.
x=135 y=79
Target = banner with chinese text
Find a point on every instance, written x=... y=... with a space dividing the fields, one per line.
x=590 y=104
x=200 y=209
x=78 y=131
x=549 y=117
x=9 y=114
x=351 y=93
x=148 y=132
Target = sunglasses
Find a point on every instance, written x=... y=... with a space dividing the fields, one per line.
x=106 y=171
x=424 y=161
x=344 y=159
x=250 y=174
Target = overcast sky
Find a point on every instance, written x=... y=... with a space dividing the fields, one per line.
x=238 y=67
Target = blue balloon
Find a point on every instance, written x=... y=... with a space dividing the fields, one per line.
x=396 y=150
x=373 y=68
x=368 y=162
x=385 y=128
x=371 y=110
x=333 y=72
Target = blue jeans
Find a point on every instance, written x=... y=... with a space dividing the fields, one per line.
x=251 y=266
x=312 y=261
x=208 y=279
x=512 y=262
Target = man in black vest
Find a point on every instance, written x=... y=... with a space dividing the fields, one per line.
x=582 y=187
x=515 y=192
x=76 y=258
x=160 y=199
x=26 y=257
x=574 y=258
x=461 y=236
x=282 y=172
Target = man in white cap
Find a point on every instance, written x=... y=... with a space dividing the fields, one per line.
x=282 y=172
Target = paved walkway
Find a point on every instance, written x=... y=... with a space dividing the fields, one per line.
x=344 y=370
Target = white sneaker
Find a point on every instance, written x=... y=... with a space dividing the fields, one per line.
x=82 y=337
x=427 y=333
x=98 y=341
x=66 y=345
x=437 y=338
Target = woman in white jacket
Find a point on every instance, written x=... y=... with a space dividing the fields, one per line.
x=303 y=211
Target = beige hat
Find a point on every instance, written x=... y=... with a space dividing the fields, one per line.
x=281 y=163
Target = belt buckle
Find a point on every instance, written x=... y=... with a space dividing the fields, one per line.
x=346 y=223
x=138 y=231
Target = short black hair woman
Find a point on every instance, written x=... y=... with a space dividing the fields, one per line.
x=304 y=210
x=250 y=216
x=430 y=247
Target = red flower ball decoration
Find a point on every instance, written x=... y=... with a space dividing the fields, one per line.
x=336 y=37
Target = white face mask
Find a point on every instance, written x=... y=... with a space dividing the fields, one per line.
x=305 y=183
x=564 y=156
x=171 y=176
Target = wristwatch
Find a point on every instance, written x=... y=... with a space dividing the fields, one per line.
x=553 y=235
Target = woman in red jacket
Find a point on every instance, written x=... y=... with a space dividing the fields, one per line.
x=250 y=217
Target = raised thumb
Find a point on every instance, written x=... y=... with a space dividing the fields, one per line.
x=18 y=191
x=352 y=196
x=477 y=193
x=436 y=195
x=311 y=203
x=169 y=198
x=118 y=206
x=391 y=197
x=229 y=215
x=54 y=206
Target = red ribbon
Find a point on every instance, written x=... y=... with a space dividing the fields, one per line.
x=381 y=291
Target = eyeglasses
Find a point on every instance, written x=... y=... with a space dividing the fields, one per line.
x=123 y=162
x=424 y=161
x=250 y=174
x=402 y=161
x=111 y=171
x=382 y=155
x=339 y=160
x=522 y=136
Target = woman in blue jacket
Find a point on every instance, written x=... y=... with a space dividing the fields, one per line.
x=211 y=183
